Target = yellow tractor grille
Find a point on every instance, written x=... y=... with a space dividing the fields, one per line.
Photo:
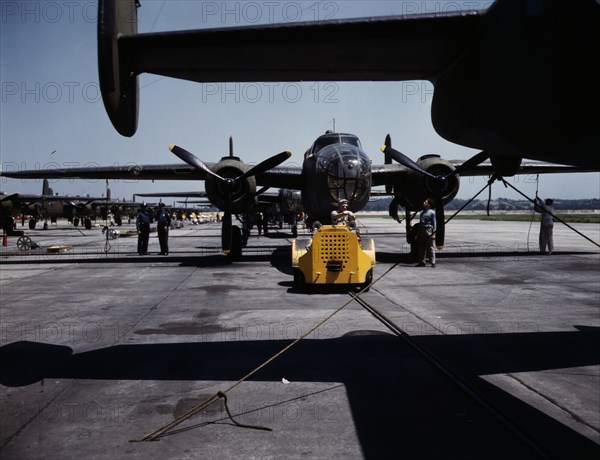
x=334 y=251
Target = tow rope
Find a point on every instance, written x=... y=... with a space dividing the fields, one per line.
x=552 y=214
x=164 y=431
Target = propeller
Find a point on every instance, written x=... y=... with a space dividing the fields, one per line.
x=439 y=182
x=403 y=159
x=388 y=161
x=192 y=160
x=265 y=165
x=229 y=184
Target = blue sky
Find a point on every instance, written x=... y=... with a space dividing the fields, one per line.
x=52 y=113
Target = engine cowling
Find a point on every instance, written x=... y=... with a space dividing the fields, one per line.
x=417 y=187
x=506 y=166
x=244 y=190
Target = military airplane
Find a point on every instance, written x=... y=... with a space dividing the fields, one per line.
x=504 y=77
x=47 y=206
x=285 y=204
x=334 y=167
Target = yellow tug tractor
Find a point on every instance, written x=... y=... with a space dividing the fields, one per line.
x=334 y=255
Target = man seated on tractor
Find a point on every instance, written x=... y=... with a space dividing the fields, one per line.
x=343 y=215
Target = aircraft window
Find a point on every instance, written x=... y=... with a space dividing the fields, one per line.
x=326 y=140
x=352 y=140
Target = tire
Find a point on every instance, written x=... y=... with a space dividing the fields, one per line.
x=368 y=280
x=235 y=253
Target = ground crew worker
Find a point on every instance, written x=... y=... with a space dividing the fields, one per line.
x=546 y=224
x=142 y=225
x=343 y=215
x=163 y=219
x=426 y=235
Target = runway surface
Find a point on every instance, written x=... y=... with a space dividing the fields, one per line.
x=100 y=346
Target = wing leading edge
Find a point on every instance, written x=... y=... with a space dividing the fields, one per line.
x=280 y=177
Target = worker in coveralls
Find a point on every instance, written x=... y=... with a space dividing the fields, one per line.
x=163 y=219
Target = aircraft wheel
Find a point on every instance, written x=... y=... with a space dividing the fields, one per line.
x=24 y=243
x=32 y=223
x=88 y=224
x=45 y=225
x=235 y=252
x=295 y=231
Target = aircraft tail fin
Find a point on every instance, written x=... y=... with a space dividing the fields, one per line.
x=46 y=190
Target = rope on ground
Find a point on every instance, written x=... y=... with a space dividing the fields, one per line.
x=163 y=431
x=552 y=214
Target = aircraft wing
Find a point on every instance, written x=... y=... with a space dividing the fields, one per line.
x=284 y=176
x=173 y=194
x=527 y=167
x=128 y=171
x=32 y=198
x=392 y=173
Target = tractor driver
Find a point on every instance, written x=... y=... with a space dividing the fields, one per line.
x=342 y=215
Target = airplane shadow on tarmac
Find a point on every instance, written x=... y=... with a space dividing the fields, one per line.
x=401 y=405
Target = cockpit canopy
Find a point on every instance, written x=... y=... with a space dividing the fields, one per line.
x=334 y=138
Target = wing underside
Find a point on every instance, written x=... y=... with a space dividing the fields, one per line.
x=390 y=174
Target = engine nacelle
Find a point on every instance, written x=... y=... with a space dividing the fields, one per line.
x=417 y=187
x=506 y=166
x=244 y=191
x=290 y=201
x=7 y=205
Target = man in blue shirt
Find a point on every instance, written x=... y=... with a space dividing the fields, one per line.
x=142 y=225
x=163 y=219
x=426 y=236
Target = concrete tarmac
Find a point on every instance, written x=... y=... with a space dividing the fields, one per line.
x=100 y=346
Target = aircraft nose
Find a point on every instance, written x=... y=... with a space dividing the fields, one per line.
x=351 y=164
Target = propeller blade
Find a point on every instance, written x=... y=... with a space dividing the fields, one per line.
x=389 y=188
x=226 y=230
x=440 y=223
x=267 y=164
x=262 y=190
x=404 y=160
x=192 y=160
x=470 y=163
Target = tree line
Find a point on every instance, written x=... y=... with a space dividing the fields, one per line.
x=498 y=204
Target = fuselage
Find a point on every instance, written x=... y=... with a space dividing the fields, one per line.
x=335 y=167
